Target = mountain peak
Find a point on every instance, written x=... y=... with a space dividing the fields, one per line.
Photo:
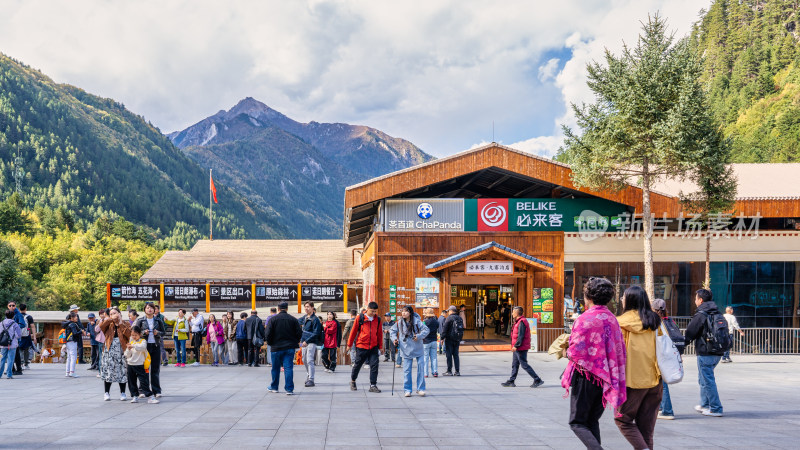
x=254 y=109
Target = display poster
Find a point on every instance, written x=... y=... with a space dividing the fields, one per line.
x=427 y=293
x=534 y=338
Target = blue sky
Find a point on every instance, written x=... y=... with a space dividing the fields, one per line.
x=437 y=73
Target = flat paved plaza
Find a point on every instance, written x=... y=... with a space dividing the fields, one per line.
x=229 y=407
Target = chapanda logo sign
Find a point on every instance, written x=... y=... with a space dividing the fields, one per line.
x=493 y=214
x=424 y=210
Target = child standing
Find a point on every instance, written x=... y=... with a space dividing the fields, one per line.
x=136 y=355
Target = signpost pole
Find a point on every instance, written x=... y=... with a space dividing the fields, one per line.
x=208 y=298
x=161 y=297
x=108 y=295
x=253 y=294
x=299 y=298
x=344 y=288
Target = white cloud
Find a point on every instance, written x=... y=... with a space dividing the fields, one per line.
x=437 y=73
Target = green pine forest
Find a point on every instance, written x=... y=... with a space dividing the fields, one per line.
x=105 y=193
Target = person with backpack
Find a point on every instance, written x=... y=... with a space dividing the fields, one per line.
x=19 y=318
x=91 y=328
x=180 y=334
x=310 y=341
x=660 y=307
x=520 y=344
x=72 y=333
x=636 y=418
x=709 y=331
x=139 y=363
x=429 y=344
x=367 y=337
x=10 y=335
x=112 y=367
x=407 y=334
x=28 y=340
x=595 y=373
x=153 y=331
x=452 y=333
x=283 y=336
x=333 y=335
x=255 y=338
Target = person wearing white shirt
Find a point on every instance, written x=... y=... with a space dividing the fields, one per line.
x=197 y=322
x=733 y=325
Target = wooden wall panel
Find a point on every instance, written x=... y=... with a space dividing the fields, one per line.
x=402 y=257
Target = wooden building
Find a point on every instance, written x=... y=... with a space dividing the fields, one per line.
x=521 y=209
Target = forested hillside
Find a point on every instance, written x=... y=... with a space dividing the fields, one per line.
x=752 y=73
x=92 y=157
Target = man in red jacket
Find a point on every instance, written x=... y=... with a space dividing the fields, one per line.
x=520 y=344
x=368 y=337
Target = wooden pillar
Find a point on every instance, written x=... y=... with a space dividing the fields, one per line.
x=344 y=289
x=161 y=296
x=299 y=298
x=108 y=295
x=253 y=296
x=445 y=295
x=528 y=299
x=208 y=298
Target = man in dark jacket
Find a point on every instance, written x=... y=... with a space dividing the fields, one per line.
x=283 y=335
x=451 y=342
x=310 y=341
x=520 y=344
x=96 y=349
x=710 y=404
x=255 y=328
x=367 y=337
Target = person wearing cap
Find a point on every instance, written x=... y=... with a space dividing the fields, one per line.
x=367 y=337
x=91 y=326
x=451 y=343
x=283 y=336
x=389 y=350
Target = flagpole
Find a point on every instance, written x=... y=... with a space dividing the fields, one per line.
x=210 y=209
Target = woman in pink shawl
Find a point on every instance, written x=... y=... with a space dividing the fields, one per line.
x=596 y=368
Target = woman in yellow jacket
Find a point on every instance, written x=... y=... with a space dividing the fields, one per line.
x=636 y=418
x=180 y=333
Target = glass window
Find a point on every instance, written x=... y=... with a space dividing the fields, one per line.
x=745 y=321
x=791 y=272
x=770 y=272
x=768 y=322
x=744 y=272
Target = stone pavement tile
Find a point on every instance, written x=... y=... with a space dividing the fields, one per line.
x=228 y=443
x=459 y=442
x=298 y=441
x=250 y=434
x=407 y=442
x=192 y=442
x=350 y=447
x=354 y=441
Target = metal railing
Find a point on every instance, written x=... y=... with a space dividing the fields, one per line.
x=762 y=341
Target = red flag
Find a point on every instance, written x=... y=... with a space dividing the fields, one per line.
x=213 y=188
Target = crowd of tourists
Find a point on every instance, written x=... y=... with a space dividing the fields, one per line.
x=612 y=360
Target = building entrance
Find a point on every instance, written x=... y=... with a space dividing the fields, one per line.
x=487 y=309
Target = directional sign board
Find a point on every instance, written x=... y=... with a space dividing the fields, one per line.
x=276 y=293
x=134 y=292
x=238 y=293
x=185 y=293
x=331 y=296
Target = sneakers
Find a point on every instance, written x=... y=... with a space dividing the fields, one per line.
x=273 y=391
x=153 y=400
x=310 y=383
x=374 y=389
x=74 y=375
x=700 y=409
x=435 y=374
x=122 y=397
x=106 y=397
x=353 y=386
x=290 y=393
x=142 y=396
x=421 y=393
x=711 y=414
x=727 y=360
x=177 y=364
x=666 y=417
x=398 y=365
x=448 y=374
x=457 y=374
x=328 y=371
x=537 y=383
x=408 y=394
x=158 y=395
x=508 y=383
x=135 y=400
x=195 y=363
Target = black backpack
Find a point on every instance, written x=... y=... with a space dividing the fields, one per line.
x=5 y=337
x=675 y=335
x=715 y=334
x=457 y=331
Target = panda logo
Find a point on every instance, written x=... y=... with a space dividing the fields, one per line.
x=424 y=210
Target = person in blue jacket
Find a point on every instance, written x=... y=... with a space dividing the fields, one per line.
x=311 y=340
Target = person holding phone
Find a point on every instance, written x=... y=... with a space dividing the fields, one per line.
x=153 y=331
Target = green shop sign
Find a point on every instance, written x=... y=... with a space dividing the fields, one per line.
x=542 y=214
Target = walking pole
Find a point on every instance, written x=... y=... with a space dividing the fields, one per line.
x=394 y=368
